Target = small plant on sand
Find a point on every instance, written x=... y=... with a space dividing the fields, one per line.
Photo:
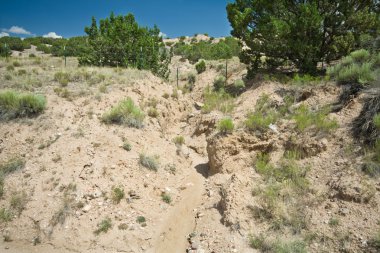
x=166 y=198
x=117 y=194
x=141 y=219
x=179 y=140
x=15 y=105
x=333 y=222
x=263 y=116
x=5 y=215
x=226 y=126
x=127 y=146
x=149 y=162
x=375 y=241
x=103 y=226
x=152 y=112
x=18 y=201
x=126 y=112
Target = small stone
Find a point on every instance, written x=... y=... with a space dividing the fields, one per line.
x=86 y=208
x=344 y=211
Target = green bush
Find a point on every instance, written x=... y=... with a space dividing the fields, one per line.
x=149 y=162
x=357 y=68
x=15 y=105
x=239 y=84
x=104 y=226
x=127 y=146
x=152 y=112
x=226 y=125
x=125 y=113
x=200 y=66
x=191 y=78
x=62 y=78
x=219 y=83
x=140 y=219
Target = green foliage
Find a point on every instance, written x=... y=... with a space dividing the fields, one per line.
x=149 y=162
x=302 y=32
x=179 y=140
x=333 y=222
x=166 y=198
x=217 y=100
x=239 y=84
x=260 y=243
x=15 y=105
x=357 y=68
x=200 y=66
x=305 y=79
x=304 y=118
x=14 y=43
x=125 y=113
x=117 y=195
x=226 y=125
x=224 y=49
x=376 y=120
x=120 y=41
x=191 y=78
x=104 y=226
x=219 y=83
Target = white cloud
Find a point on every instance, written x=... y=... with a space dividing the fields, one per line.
x=52 y=35
x=163 y=35
x=4 y=34
x=17 y=30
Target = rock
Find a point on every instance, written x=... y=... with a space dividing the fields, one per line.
x=344 y=211
x=195 y=244
x=199 y=105
x=86 y=208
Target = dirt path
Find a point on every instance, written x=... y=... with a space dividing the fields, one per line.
x=180 y=222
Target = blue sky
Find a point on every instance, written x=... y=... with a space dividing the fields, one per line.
x=68 y=18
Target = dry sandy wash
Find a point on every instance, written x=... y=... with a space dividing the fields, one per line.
x=73 y=163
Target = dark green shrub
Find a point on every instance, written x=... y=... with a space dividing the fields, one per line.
x=117 y=194
x=219 y=83
x=200 y=66
x=125 y=113
x=104 y=226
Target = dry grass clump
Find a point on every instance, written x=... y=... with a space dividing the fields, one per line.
x=149 y=162
x=217 y=100
x=264 y=115
x=126 y=113
x=15 y=105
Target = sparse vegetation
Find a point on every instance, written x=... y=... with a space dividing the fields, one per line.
x=16 y=105
x=125 y=113
x=149 y=162
x=12 y=165
x=226 y=126
x=263 y=116
x=117 y=194
x=103 y=226
x=304 y=118
x=152 y=112
x=217 y=100
x=18 y=201
x=5 y=215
